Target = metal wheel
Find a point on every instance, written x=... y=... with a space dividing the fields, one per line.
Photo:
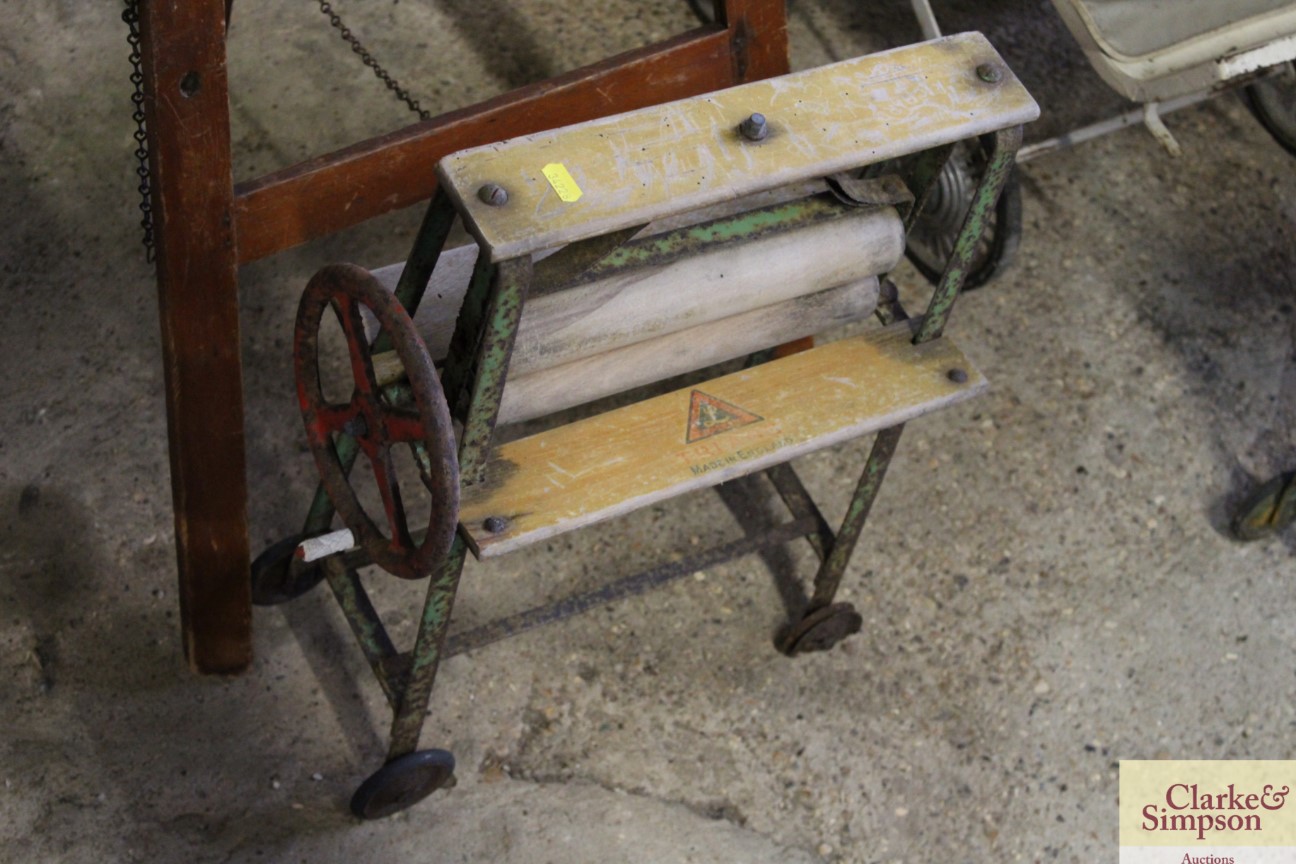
x=1267 y=510
x=402 y=783
x=1273 y=101
x=821 y=629
x=279 y=576
x=935 y=231
x=375 y=423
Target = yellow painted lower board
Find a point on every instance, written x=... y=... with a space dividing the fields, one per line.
x=613 y=463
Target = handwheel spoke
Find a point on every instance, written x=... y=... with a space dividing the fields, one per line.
x=403 y=426
x=384 y=469
x=362 y=371
x=337 y=418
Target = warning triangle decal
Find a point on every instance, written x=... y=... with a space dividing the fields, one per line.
x=709 y=416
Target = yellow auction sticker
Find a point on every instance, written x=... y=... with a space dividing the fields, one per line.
x=1207 y=812
x=562 y=181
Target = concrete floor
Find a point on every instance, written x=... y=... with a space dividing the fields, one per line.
x=1046 y=585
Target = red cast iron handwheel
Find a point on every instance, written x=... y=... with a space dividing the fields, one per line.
x=376 y=425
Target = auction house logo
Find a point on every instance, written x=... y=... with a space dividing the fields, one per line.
x=1198 y=812
x=1186 y=808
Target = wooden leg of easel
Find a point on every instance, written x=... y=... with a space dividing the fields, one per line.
x=188 y=118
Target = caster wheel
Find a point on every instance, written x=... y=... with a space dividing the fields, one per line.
x=277 y=575
x=402 y=783
x=821 y=629
x=1267 y=510
x=934 y=234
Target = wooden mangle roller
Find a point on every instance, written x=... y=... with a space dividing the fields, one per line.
x=607 y=334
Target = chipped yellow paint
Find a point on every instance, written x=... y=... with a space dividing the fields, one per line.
x=613 y=463
x=646 y=164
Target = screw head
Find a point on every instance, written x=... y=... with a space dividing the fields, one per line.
x=958 y=376
x=493 y=194
x=989 y=73
x=754 y=128
x=495 y=524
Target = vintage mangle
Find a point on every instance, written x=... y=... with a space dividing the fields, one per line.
x=616 y=253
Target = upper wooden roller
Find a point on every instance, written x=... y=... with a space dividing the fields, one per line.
x=604 y=175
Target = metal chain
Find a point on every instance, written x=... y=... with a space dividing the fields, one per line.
x=131 y=16
x=358 y=47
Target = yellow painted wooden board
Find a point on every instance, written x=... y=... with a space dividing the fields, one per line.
x=629 y=169
x=616 y=462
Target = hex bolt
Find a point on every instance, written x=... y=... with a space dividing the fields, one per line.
x=495 y=524
x=493 y=194
x=989 y=73
x=754 y=128
x=958 y=376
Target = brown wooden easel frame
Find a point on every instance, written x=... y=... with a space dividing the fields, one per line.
x=206 y=227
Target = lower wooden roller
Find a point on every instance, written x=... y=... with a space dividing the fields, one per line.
x=589 y=378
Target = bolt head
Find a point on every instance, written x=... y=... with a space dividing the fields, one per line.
x=754 y=128
x=493 y=194
x=958 y=376
x=495 y=524
x=989 y=73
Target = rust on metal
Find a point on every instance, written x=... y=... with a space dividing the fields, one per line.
x=508 y=291
x=375 y=425
x=660 y=249
x=821 y=629
x=1003 y=151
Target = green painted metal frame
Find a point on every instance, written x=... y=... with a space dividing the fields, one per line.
x=477 y=369
x=1002 y=157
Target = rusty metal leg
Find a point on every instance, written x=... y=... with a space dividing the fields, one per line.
x=508 y=283
x=363 y=618
x=798 y=500
x=826 y=623
x=407 y=723
x=187 y=113
x=423 y=257
x=829 y=577
x=474 y=379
